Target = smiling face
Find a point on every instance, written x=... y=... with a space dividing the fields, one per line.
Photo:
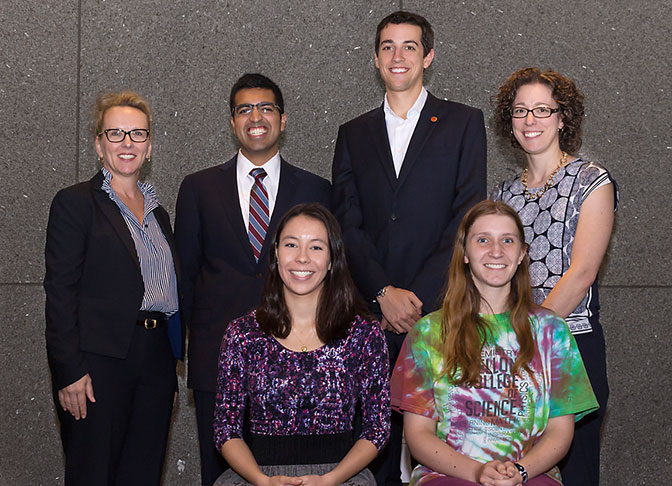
x=493 y=251
x=123 y=159
x=399 y=59
x=303 y=257
x=258 y=132
x=537 y=136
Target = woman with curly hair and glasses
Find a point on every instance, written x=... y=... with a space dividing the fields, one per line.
x=567 y=205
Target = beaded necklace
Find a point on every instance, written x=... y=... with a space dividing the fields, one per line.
x=531 y=196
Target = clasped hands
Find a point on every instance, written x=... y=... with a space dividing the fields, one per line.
x=401 y=309
x=308 y=480
x=498 y=473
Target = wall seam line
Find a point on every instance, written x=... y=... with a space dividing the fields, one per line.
x=78 y=94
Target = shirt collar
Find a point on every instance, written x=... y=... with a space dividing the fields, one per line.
x=413 y=112
x=147 y=190
x=271 y=166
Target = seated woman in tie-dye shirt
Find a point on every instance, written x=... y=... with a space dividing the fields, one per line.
x=491 y=384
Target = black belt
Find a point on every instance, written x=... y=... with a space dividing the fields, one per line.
x=151 y=320
x=299 y=449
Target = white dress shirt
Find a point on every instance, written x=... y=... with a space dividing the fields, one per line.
x=400 y=130
x=245 y=182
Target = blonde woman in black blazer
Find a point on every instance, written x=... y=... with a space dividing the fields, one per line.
x=111 y=308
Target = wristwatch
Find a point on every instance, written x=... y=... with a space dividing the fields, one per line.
x=522 y=471
x=381 y=293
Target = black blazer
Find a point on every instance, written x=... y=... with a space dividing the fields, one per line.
x=222 y=281
x=400 y=231
x=93 y=280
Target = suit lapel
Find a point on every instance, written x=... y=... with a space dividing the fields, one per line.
x=426 y=123
x=382 y=143
x=283 y=203
x=111 y=211
x=164 y=224
x=228 y=194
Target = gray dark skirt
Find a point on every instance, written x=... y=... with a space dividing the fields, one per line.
x=231 y=478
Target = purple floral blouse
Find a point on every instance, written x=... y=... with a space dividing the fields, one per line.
x=302 y=393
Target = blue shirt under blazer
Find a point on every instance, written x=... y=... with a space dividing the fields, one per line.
x=93 y=281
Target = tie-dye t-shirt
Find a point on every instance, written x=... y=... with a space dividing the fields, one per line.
x=503 y=417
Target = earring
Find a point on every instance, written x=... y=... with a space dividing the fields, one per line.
x=148 y=159
x=100 y=159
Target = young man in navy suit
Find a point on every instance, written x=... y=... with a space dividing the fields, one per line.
x=403 y=176
x=223 y=216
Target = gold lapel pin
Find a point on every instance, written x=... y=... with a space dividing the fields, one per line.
x=433 y=119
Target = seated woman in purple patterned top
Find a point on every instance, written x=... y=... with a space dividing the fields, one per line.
x=301 y=363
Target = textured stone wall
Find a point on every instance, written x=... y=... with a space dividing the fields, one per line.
x=184 y=57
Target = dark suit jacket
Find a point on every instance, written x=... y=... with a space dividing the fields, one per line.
x=400 y=231
x=93 y=280
x=222 y=279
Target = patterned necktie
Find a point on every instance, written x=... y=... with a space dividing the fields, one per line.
x=259 y=213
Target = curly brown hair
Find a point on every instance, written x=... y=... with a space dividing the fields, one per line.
x=565 y=93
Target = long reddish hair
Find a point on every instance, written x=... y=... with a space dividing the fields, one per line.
x=464 y=331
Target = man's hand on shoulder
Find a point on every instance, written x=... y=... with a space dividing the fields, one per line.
x=401 y=309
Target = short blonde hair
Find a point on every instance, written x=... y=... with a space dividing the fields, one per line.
x=105 y=101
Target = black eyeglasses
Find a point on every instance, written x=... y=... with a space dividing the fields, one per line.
x=538 y=112
x=264 y=108
x=117 y=135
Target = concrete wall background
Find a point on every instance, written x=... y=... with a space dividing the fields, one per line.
x=184 y=57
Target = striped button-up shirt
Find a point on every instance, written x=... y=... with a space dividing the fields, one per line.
x=154 y=255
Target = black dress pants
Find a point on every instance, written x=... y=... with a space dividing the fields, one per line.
x=386 y=466
x=122 y=440
x=581 y=465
